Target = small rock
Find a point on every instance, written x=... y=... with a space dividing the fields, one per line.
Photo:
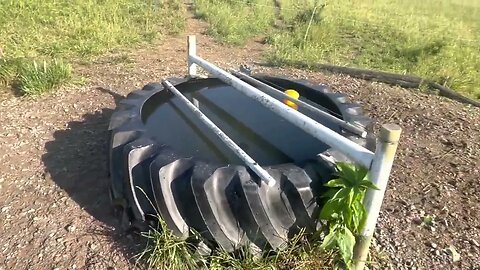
x=417 y=220
x=474 y=242
x=453 y=252
x=433 y=245
x=70 y=228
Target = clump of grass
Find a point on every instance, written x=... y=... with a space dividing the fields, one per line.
x=35 y=79
x=164 y=250
x=32 y=78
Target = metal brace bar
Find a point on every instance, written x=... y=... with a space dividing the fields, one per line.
x=354 y=151
x=348 y=126
x=249 y=161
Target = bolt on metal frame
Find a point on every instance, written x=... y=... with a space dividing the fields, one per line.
x=379 y=163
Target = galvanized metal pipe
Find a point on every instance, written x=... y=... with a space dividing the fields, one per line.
x=379 y=174
x=192 y=50
x=250 y=162
x=354 y=151
x=348 y=126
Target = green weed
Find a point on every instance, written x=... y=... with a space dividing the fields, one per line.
x=344 y=211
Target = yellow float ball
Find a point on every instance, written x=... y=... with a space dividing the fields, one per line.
x=294 y=94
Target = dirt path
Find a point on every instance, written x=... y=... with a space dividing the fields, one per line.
x=54 y=207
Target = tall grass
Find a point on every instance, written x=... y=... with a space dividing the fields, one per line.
x=78 y=29
x=436 y=39
x=234 y=21
x=164 y=250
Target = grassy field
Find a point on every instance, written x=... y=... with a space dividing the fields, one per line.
x=40 y=39
x=435 y=39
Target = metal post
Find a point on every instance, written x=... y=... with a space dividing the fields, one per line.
x=252 y=164
x=354 y=151
x=379 y=173
x=192 y=50
x=348 y=126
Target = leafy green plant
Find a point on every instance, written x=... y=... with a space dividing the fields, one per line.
x=344 y=211
x=428 y=220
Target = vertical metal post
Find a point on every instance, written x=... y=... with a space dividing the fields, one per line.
x=379 y=173
x=192 y=50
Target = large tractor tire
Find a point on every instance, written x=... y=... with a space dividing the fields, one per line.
x=228 y=205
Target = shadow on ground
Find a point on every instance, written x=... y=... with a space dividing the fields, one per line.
x=77 y=162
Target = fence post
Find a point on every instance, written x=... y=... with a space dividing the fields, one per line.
x=379 y=173
x=192 y=50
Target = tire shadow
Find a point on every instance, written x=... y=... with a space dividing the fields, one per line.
x=76 y=160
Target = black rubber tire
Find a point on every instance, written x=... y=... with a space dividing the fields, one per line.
x=229 y=206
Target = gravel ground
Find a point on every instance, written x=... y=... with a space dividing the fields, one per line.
x=54 y=205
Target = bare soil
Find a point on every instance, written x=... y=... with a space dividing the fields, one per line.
x=54 y=204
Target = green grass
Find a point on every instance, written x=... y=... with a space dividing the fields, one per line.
x=233 y=21
x=435 y=39
x=164 y=250
x=35 y=79
x=63 y=31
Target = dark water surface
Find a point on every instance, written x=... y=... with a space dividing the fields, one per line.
x=266 y=137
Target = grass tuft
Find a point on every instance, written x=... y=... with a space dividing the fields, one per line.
x=32 y=78
x=164 y=250
x=35 y=79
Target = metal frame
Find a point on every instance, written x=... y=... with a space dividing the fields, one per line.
x=379 y=163
x=273 y=91
x=252 y=164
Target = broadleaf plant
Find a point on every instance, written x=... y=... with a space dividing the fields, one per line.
x=344 y=211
